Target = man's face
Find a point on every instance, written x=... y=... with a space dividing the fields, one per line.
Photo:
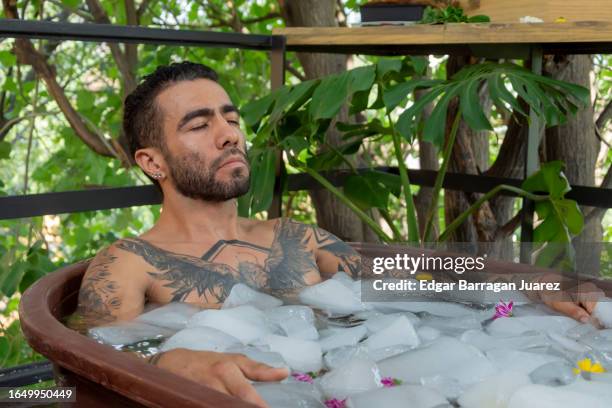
x=204 y=148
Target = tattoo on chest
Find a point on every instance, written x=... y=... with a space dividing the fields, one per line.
x=287 y=261
x=98 y=294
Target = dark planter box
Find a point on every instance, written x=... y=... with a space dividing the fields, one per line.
x=391 y=12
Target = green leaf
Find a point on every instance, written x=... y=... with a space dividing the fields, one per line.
x=329 y=96
x=470 y=106
x=395 y=94
x=365 y=192
x=359 y=102
x=73 y=4
x=362 y=78
x=10 y=279
x=406 y=122
x=263 y=175
x=295 y=144
x=435 y=125
x=549 y=179
x=570 y=214
x=253 y=112
x=480 y=18
x=7 y=59
x=292 y=95
x=386 y=65
x=499 y=94
x=85 y=100
x=420 y=64
x=5 y=149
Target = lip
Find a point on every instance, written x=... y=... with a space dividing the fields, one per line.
x=233 y=163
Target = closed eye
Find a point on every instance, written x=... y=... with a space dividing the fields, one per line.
x=202 y=126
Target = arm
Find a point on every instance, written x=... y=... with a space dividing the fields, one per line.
x=333 y=255
x=109 y=292
x=112 y=292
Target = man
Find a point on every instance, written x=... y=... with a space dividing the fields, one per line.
x=185 y=135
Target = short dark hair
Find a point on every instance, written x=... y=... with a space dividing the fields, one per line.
x=141 y=116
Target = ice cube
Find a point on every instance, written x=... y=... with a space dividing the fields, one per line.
x=554 y=374
x=520 y=361
x=519 y=325
x=375 y=321
x=341 y=355
x=603 y=312
x=569 y=347
x=345 y=279
x=301 y=355
x=355 y=376
x=444 y=309
x=413 y=396
x=400 y=332
x=245 y=323
x=267 y=357
x=127 y=332
x=493 y=392
x=593 y=388
x=201 y=338
x=486 y=342
x=452 y=326
x=450 y=388
x=241 y=294
x=444 y=356
x=343 y=337
x=542 y=396
x=295 y=395
x=173 y=316
x=331 y=296
x=294 y=321
x=427 y=334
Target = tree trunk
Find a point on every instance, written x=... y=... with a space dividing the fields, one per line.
x=332 y=215
x=576 y=144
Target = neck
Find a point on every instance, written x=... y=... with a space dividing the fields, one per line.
x=190 y=220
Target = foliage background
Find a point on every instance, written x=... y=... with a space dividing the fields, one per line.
x=40 y=152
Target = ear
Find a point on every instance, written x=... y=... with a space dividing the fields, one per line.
x=151 y=161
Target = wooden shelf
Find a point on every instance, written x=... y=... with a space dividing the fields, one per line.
x=574 y=38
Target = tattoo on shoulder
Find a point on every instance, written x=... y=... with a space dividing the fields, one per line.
x=98 y=294
x=349 y=260
x=185 y=273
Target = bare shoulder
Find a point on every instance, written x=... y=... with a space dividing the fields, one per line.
x=111 y=289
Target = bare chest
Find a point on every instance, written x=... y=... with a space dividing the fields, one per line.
x=279 y=269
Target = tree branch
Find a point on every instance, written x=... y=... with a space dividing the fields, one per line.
x=295 y=72
x=100 y=17
x=270 y=15
x=604 y=117
x=142 y=8
x=27 y=54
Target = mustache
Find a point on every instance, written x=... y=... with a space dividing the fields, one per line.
x=234 y=151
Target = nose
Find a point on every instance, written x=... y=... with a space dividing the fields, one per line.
x=227 y=133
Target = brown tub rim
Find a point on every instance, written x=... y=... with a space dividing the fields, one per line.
x=120 y=372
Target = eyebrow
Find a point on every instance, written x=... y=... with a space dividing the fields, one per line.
x=206 y=113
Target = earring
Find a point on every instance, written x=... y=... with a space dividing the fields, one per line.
x=157 y=175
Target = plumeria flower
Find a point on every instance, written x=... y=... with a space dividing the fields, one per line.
x=304 y=377
x=388 y=382
x=503 y=310
x=335 y=403
x=588 y=366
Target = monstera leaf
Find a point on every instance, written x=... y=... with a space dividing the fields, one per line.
x=559 y=218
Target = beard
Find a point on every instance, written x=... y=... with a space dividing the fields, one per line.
x=191 y=176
